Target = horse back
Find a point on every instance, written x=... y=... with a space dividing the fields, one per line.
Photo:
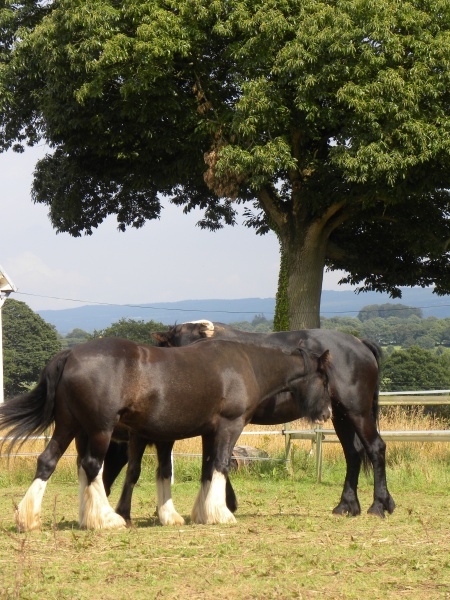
x=161 y=392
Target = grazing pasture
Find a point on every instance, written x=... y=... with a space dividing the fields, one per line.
x=286 y=543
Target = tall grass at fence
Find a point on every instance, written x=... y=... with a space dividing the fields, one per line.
x=404 y=459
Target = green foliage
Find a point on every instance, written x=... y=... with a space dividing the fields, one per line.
x=384 y=311
x=75 y=337
x=137 y=330
x=395 y=331
x=281 y=318
x=329 y=120
x=259 y=326
x=415 y=369
x=28 y=344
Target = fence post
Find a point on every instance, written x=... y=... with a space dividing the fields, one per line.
x=319 y=439
x=287 y=449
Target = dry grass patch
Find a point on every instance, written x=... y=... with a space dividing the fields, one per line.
x=286 y=544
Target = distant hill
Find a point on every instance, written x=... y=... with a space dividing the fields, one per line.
x=334 y=303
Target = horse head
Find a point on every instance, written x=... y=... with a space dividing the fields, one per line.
x=184 y=334
x=312 y=391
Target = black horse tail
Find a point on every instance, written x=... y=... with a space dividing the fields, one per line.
x=377 y=352
x=33 y=412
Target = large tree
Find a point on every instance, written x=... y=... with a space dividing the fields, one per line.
x=329 y=120
x=29 y=343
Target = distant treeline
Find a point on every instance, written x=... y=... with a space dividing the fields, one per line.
x=416 y=350
x=390 y=325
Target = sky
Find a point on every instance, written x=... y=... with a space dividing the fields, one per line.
x=167 y=260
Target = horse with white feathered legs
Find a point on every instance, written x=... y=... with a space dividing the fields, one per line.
x=110 y=386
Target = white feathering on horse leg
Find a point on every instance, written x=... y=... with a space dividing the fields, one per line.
x=95 y=510
x=213 y=509
x=198 y=514
x=215 y=506
x=166 y=510
x=28 y=513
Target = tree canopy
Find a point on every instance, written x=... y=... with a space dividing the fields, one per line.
x=385 y=311
x=28 y=344
x=329 y=120
x=131 y=329
x=416 y=369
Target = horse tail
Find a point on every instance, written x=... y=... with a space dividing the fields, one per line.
x=33 y=412
x=377 y=352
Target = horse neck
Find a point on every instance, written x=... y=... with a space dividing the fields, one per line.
x=274 y=370
x=246 y=337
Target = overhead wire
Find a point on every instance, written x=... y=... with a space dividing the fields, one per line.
x=202 y=310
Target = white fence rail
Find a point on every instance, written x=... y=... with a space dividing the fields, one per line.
x=319 y=436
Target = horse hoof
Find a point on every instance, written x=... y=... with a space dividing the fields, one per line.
x=26 y=522
x=390 y=505
x=172 y=519
x=27 y=525
x=344 y=510
x=376 y=511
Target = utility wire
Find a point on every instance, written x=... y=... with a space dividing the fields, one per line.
x=147 y=307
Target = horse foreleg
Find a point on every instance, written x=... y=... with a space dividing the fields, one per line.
x=136 y=449
x=211 y=503
x=166 y=509
x=95 y=510
x=28 y=512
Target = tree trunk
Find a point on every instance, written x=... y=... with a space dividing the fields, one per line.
x=305 y=260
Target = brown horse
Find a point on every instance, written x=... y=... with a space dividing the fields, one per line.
x=354 y=399
x=110 y=385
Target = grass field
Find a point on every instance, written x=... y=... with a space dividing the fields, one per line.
x=286 y=543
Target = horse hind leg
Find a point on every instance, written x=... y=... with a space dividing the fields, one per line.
x=376 y=450
x=95 y=510
x=166 y=509
x=136 y=449
x=28 y=512
x=382 y=499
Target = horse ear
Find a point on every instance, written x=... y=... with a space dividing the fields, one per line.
x=324 y=360
x=205 y=327
x=159 y=336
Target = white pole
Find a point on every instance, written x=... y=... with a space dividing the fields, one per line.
x=2 y=397
x=6 y=287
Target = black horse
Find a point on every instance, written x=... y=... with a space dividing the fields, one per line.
x=211 y=389
x=354 y=399
x=354 y=388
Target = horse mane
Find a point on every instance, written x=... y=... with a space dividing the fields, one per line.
x=208 y=325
